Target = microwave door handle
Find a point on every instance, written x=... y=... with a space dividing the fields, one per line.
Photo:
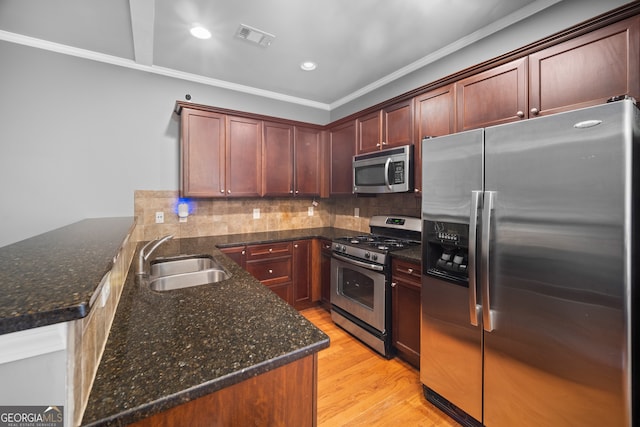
x=386 y=172
x=474 y=307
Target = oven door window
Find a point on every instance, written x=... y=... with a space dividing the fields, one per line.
x=357 y=287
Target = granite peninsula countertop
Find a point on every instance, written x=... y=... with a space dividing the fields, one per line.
x=50 y=278
x=166 y=348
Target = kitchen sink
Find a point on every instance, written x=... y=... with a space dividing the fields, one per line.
x=186 y=280
x=185 y=271
x=183 y=264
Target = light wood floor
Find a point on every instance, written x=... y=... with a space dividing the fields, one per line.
x=358 y=387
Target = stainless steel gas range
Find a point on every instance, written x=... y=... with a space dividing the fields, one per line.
x=361 y=278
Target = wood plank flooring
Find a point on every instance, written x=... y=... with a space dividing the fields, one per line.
x=358 y=387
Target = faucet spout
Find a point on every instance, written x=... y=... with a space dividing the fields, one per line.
x=144 y=255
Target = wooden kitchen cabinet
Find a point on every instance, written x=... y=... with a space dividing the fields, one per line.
x=434 y=116
x=389 y=127
x=284 y=396
x=221 y=155
x=406 y=317
x=292 y=161
x=244 y=157
x=278 y=163
x=308 y=156
x=325 y=272
x=271 y=264
x=202 y=154
x=302 y=274
x=586 y=70
x=493 y=97
x=237 y=254
x=342 y=143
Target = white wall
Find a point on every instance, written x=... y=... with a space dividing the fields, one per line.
x=77 y=137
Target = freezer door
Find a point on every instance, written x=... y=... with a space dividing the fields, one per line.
x=558 y=270
x=451 y=345
x=451 y=170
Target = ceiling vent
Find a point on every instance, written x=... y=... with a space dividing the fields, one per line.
x=255 y=36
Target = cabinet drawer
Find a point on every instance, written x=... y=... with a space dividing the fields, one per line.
x=406 y=271
x=268 y=250
x=271 y=272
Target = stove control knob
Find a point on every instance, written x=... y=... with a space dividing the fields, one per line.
x=367 y=255
x=374 y=257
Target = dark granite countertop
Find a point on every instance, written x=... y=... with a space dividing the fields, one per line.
x=413 y=254
x=51 y=277
x=163 y=348
x=168 y=348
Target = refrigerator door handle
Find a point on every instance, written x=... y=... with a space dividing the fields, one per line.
x=474 y=308
x=487 y=212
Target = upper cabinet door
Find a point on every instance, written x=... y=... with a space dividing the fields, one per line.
x=277 y=167
x=369 y=132
x=202 y=154
x=342 y=144
x=493 y=97
x=397 y=122
x=586 y=70
x=308 y=161
x=244 y=157
x=390 y=127
x=434 y=116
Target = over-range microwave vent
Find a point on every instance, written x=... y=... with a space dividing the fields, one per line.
x=255 y=36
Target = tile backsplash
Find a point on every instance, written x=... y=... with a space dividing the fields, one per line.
x=210 y=217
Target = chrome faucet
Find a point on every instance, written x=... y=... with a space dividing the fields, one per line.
x=143 y=256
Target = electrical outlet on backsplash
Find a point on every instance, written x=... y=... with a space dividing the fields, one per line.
x=211 y=217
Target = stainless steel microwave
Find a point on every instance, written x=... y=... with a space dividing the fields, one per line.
x=385 y=171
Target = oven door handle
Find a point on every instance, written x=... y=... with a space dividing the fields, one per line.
x=358 y=263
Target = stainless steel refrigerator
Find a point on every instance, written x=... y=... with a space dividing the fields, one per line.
x=529 y=240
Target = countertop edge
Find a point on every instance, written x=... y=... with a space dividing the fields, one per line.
x=152 y=408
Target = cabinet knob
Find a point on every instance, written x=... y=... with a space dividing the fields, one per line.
x=378 y=145
x=384 y=143
x=393 y=284
x=535 y=111
x=222 y=190
x=290 y=191
x=243 y=252
x=295 y=246
x=270 y=250
x=270 y=271
x=410 y=270
x=297 y=191
x=228 y=191
x=520 y=114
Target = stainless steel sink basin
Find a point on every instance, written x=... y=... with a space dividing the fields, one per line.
x=171 y=266
x=185 y=271
x=185 y=280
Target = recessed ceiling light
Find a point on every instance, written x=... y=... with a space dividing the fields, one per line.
x=200 y=32
x=308 y=66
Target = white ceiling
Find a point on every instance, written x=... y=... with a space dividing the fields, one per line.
x=359 y=45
